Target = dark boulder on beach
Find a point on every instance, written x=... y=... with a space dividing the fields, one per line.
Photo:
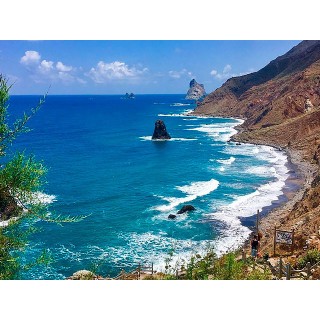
x=160 y=131
x=186 y=208
x=172 y=216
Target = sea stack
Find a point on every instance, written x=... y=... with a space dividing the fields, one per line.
x=160 y=131
x=196 y=91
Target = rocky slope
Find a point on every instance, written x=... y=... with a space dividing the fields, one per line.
x=196 y=91
x=281 y=107
x=280 y=103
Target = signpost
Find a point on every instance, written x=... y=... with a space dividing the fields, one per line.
x=283 y=237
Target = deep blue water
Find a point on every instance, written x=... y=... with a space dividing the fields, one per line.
x=102 y=162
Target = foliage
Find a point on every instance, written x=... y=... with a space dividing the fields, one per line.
x=21 y=179
x=211 y=267
x=312 y=256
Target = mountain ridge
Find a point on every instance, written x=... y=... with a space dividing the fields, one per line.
x=280 y=104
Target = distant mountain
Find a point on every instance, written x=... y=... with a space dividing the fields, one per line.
x=196 y=91
x=280 y=102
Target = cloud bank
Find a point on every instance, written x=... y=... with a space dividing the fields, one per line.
x=42 y=70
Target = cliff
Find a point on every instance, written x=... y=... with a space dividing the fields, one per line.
x=280 y=102
x=196 y=91
x=281 y=107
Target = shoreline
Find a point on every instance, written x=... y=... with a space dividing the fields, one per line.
x=299 y=179
x=301 y=174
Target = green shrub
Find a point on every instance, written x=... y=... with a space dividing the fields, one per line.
x=312 y=256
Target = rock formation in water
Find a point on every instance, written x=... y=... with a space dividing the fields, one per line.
x=196 y=91
x=160 y=131
x=186 y=208
x=129 y=96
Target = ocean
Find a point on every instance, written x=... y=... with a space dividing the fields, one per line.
x=102 y=163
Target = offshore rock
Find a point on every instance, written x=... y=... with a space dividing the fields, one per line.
x=196 y=91
x=172 y=216
x=186 y=208
x=160 y=131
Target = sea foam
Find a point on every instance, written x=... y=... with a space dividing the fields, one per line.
x=192 y=191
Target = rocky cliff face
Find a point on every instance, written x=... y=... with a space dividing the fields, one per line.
x=280 y=100
x=281 y=106
x=196 y=91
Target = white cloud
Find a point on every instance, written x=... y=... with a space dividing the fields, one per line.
x=114 y=71
x=46 y=70
x=30 y=58
x=61 y=67
x=46 y=66
x=178 y=74
x=226 y=73
x=227 y=69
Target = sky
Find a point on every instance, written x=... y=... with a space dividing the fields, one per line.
x=138 y=66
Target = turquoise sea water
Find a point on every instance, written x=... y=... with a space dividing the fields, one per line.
x=102 y=162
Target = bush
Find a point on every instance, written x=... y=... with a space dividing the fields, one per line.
x=312 y=256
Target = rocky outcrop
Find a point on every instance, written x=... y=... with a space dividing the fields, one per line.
x=308 y=105
x=280 y=103
x=83 y=275
x=172 y=216
x=160 y=131
x=186 y=208
x=196 y=91
x=8 y=207
x=129 y=96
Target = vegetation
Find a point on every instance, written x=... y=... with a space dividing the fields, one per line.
x=211 y=267
x=312 y=256
x=21 y=178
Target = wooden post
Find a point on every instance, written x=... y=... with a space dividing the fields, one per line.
x=139 y=270
x=152 y=268
x=292 y=245
x=280 y=268
x=308 y=270
x=274 y=241
x=288 y=271
x=243 y=255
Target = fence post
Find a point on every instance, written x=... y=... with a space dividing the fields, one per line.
x=292 y=245
x=274 y=241
x=152 y=268
x=139 y=270
x=243 y=255
x=308 y=270
x=280 y=268
x=288 y=271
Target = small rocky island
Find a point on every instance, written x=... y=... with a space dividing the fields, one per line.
x=196 y=91
x=160 y=131
x=129 y=96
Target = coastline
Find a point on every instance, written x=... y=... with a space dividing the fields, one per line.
x=301 y=175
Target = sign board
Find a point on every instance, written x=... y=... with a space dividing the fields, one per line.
x=285 y=237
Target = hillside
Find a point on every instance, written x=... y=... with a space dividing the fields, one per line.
x=281 y=107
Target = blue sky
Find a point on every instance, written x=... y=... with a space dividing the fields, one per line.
x=139 y=66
